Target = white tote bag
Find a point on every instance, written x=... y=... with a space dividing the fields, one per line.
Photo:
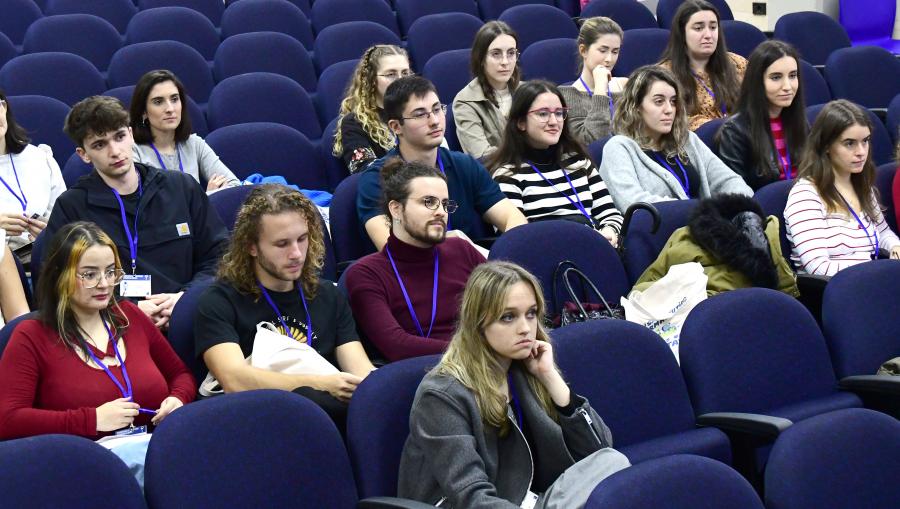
x=665 y=304
x=274 y=351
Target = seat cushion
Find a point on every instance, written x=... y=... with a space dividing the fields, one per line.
x=708 y=442
x=799 y=411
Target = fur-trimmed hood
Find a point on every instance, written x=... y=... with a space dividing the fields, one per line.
x=711 y=227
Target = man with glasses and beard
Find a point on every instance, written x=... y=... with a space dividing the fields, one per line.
x=406 y=297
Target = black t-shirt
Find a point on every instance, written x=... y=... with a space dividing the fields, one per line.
x=226 y=316
x=692 y=174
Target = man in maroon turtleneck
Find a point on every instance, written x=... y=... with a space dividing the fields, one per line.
x=406 y=298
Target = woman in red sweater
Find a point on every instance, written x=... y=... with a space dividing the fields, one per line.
x=63 y=373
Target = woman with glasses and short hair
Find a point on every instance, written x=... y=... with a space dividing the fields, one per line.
x=90 y=364
x=481 y=108
x=362 y=133
x=544 y=171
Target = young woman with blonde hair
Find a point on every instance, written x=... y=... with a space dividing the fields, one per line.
x=494 y=423
x=362 y=134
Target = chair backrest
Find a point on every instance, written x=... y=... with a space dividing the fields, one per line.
x=814 y=34
x=43 y=117
x=9 y=327
x=882 y=148
x=893 y=118
x=334 y=166
x=562 y=240
x=640 y=46
x=8 y=50
x=117 y=12
x=536 y=22
x=492 y=9
x=641 y=246
x=554 y=60
x=270 y=149
x=378 y=423
x=212 y=9
x=450 y=131
x=332 y=89
x=867 y=20
x=855 y=310
x=37 y=472
x=267 y=16
x=181 y=327
x=408 y=11
x=680 y=481
x=26 y=286
x=177 y=24
x=866 y=75
x=773 y=198
x=666 y=9
x=326 y=13
x=445 y=70
x=742 y=37
x=627 y=13
x=707 y=133
x=198 y=118
x=436 y=33
x=595 y=149
x=815 y=88
x=133 y=61
x=263 y=97
x=37 y=256
x=66 y=33
x=630 y=376
x=270 y=52
x=350 y=240
x=64 y=76
x=18 y=15
x=846 y=458
x=346 y=41
x=884 y=181
x=280 y=450
x=753 y=337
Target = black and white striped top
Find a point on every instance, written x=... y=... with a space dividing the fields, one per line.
x=538 y=199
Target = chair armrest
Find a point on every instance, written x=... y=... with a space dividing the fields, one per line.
x=757 y=425
x=391 y=502
x=879 y=384
x=812 y=282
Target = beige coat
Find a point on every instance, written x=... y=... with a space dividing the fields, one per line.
x=479 y=124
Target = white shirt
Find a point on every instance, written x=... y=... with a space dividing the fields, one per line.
x=41 y=183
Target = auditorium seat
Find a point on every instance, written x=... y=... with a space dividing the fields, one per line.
x=265 y=52
x=267 y=16
x=67 y=33
x=133 y=61
x=627 y=13
x=64 y=76
x=537 y=22
x=176 y=24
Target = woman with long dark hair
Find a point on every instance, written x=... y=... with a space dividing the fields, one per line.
x=764 y=140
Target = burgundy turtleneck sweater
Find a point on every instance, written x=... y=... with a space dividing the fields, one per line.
x=380 y=309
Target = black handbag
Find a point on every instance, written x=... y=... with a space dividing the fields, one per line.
x=577 y=310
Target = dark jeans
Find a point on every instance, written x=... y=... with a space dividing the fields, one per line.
x=335 y=408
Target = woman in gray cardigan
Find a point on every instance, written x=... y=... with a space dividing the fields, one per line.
x=481 y=108
x=655 y=157
x=494 y=424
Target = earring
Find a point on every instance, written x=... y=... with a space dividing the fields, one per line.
x=145 y=122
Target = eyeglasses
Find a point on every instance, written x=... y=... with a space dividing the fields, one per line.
x=543 y=114
x=497 y=55
x=394 y=75
x=421 y=116
x=91 y=278
x=432 y=202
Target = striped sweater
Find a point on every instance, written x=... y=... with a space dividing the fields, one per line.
x=824 y=242
x=538 y=199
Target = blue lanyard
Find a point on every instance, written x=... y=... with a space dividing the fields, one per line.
x=710 y=92
x=515 y=401
x=284 y=327
x=132 y=240
x=577 y=204
x=861 y=225
x=785 y=161
x=434 y=291
x=685 y=184
x=126 y=391
x=160 y=159
x=23 y=201
x=590 y=92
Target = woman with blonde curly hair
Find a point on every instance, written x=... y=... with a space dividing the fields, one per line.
x=655 y=157
x=362 y=134
x=494 y=424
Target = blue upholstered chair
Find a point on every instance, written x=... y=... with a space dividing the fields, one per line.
x=64 y=76
x=267 y=16
x=347 y=41
x=133 y=61
x=326 y=13
x=332 y=88
x=627 y=13
x=18 y=15
x=866 y=75
x=181 y=328
x=66 y=33
x=742 y=37
x=43 y=118
x=436 y=33
x=554 y=60
x=642 y=245
x=212 y=9
x=870 y=23
x=640 y=46
x=117 y=12
x=350 y=240
x=176 y=24
x=814 y=34
x=537 y=22
x=408 y=11
x=492 y=9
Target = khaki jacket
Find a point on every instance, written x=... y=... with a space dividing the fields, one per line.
x=479 y=124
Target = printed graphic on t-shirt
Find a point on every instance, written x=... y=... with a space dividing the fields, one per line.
x=297 y=328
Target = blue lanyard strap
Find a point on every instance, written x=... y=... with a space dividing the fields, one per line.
x=127 y=391
x=284 y=327
x=686 y=183
x=434 y=291
x=786 y=161
x=23 y=201
x=515 y=401
x=576 y=202
x=160 y=159
x=132 y=239
x=710 y=92
x=590 y=92
x=861 y=225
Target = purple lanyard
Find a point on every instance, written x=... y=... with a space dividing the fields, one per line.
x=786 y=162
x=126 y=391
x=590 y=92
x=23 y=201
x=159 y=157
x=132 y=240
x=434 y=291
x=861 y=225
x=710 y=92
x=577 y=204
x=284 y=327
x=685 y=184
x=515 y=401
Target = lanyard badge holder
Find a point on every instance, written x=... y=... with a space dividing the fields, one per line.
x=133 y=285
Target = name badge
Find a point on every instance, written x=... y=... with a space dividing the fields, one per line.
x=135 y=286
x=131 y=430
x=530 y=500
x=183 y=229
